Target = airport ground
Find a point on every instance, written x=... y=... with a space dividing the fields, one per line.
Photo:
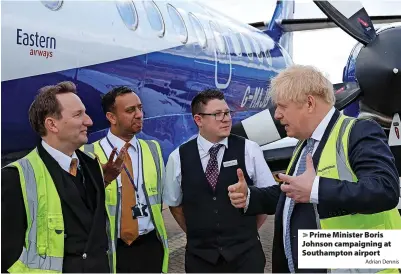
x=177 y=241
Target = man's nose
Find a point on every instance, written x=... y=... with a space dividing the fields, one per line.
x=277 y=115
x=227 y=118
x=88 y=121
x=139 y=114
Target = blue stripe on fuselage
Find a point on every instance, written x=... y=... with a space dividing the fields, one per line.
x=166 y=82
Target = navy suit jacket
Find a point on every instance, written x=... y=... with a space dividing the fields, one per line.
x=377 y=188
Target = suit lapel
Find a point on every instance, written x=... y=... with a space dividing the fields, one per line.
x=93 y=174
x=66 y=189
x=316 y=157
x=281 y=201
x=322 y=143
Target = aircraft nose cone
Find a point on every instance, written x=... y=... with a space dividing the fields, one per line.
x=378 y=71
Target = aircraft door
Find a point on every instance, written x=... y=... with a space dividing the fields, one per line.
x=222 y=57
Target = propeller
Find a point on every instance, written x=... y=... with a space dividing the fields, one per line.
x=378 y=64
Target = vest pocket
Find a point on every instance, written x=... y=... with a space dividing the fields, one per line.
x=55 y=235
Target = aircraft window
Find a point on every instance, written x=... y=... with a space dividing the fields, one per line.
x=258 y=52
x=221 y=46
x=199 y=31
x=155 y=17
x=267 y=45
x=236 y=43
x=178 y=23
x=247 y=46
x=53 y=5
x=268 y=57
x=128 y=13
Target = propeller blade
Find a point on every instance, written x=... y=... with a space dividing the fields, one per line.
x=346 y=94
x=350 y=16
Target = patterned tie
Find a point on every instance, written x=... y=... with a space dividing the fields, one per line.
x=301 y=169
x=212 y=168
x=129 y=226
x=73 y=167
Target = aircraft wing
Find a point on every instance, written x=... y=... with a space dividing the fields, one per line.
x=291 y=25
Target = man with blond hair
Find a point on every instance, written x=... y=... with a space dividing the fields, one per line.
x=342 y=174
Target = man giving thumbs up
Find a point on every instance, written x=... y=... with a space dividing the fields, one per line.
x=220 y=238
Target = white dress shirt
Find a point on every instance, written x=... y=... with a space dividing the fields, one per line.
x=145 y=224
x=62 y=159
x=317 y=135
x=255 y=164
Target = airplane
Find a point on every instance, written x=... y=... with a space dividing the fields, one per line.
x=168 y=51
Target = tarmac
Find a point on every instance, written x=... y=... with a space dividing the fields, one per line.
x=177 y=242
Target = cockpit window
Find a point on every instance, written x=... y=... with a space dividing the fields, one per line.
x=199 y=31
x=128 y=13
x=178 y=23
x=53 y=5
x=155 y=17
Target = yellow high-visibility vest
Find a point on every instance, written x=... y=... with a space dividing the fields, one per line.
x=44 y=239
x=152 y=163
x=334 y=163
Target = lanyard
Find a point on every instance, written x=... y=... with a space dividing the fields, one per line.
x=127 y=171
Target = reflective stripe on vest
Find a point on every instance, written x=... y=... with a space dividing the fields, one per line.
x=45 y=232
x=30 y=259
x=334 y=163
x=152 y=173
x=154 y=197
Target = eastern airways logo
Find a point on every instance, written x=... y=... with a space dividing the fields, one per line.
x=38 y=41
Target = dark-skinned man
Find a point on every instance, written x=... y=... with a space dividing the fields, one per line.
x=136 y=194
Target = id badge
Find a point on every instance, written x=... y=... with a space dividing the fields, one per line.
x=139 y=211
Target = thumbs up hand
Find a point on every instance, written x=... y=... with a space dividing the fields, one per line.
x=299 y=188
x=239 y=191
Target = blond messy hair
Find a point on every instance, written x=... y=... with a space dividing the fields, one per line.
x=295 y=83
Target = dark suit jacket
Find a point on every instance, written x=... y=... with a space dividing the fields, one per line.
x=85 y=227
x=377 y=188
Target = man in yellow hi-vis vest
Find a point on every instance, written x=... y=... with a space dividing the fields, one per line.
x=53 y=212
x=141 y=242
x=343 y=175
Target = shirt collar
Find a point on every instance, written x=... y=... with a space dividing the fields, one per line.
x=321 y=128
x=119 y=143
x=62 y=159
x=205 y=145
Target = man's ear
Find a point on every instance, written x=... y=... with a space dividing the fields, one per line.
x=311 y=101
x=198 y=120
x=111 y=117
x=51 y=125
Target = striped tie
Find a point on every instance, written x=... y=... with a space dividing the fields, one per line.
x=301 y=169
